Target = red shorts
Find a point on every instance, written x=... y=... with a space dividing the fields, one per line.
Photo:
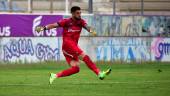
x=71 y=52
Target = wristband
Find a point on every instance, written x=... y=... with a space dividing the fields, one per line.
x=45 y=28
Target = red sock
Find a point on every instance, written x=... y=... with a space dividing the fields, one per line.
x=91 y=65
x=68 y=72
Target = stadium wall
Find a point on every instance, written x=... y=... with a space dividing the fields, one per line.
x=120 y=38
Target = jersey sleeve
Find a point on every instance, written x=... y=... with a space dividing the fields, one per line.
x=83 y=23
x=62 y=22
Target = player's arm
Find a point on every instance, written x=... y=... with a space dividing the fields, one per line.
x=51 y=26
x=90 y=30
x=47 y=27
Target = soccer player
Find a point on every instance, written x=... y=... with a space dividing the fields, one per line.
x=71 y=32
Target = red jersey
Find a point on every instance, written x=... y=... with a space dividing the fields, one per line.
x=71 y=30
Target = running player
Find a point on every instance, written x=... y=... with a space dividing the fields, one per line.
x=71 y=32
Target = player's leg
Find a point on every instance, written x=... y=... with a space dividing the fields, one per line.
x=74 y=68
x=75 y=51
x=93 y=67
x=90 y=64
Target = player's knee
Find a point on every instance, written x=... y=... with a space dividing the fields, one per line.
x=74 y=63
x=81 y=56
x=76 y=69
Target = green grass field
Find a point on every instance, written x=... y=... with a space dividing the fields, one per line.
x=125 y=80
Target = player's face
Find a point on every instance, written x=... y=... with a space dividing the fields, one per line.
x=77 y=14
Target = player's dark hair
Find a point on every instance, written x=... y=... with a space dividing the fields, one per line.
x=75 y=8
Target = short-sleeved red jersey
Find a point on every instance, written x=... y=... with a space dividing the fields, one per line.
x=71 y=30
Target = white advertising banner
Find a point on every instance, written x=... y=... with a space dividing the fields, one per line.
x=160 y=48
x=30 y=49
x=34 y=49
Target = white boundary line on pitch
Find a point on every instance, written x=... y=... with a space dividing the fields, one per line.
x=21 y=84
x=143 y=82
x=117 y=82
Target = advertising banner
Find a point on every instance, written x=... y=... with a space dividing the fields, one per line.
x=31 y=49
x=160 y=48
x=24 y=25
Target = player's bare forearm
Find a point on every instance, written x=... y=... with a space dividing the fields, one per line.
x=51 y=26
x=47 y=27
x=90 y=30
x=87 y=28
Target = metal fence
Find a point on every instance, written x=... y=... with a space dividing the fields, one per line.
x=113 y=7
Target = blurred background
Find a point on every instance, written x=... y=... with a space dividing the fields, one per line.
x=127 y=30
x=112 y=7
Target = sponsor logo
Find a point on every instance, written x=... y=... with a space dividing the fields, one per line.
x=37 y=22
x=5 y=31
x=160 y=48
